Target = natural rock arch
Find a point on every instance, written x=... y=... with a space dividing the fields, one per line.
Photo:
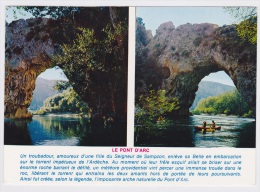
x=177 y=60
x=31 y=43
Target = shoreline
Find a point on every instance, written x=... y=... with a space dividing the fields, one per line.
x=62 y=115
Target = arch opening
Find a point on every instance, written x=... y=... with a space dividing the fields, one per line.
x=44 y=87
x=217 y=94
x=54 y=94
x=212 y=85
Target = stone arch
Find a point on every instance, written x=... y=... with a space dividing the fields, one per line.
x=31 y=43
x=191 y=52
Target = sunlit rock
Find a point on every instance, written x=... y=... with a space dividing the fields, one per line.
x=190 y=52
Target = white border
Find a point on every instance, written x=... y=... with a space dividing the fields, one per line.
x=133 y=3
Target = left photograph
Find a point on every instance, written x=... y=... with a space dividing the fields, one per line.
x=66 y=76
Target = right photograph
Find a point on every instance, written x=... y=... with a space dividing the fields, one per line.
x=195 y=77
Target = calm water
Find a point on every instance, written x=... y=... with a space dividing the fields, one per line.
x=73 y=131
x=60 y=131
x=235 y=132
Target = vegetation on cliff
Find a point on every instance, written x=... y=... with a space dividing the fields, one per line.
x=153 y=108
x=247 y=18
x=97 y=69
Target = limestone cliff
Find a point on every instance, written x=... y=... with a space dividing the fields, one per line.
x=176 y=59
x=28 y=50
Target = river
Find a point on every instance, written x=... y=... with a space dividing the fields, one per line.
x=235 y=132
x=74 y=131
x=56 y=130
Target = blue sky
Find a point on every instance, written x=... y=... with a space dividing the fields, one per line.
x=154 y=16
x=54 y=73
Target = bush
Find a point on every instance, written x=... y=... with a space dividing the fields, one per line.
x=250 y=113
x=195 y=112
x=153 y=107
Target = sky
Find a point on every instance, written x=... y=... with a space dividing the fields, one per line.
x=54 y=73
x=154 y=16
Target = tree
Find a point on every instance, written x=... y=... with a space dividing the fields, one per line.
x=98 y=67
x=229 y=103
x=67 y=101
x=61 y=85
x=248 y=30
x=154 y=107
x=247 y=18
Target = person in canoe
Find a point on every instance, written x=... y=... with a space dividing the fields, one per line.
x=213 y=125
x=204 y=127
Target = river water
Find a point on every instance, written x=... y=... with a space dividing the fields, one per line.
x=60 y=131
x=74 y=131
x=235 y=132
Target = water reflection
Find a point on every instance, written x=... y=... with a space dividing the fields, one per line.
x=235 y=132
x=16 y=132
x=62 y=131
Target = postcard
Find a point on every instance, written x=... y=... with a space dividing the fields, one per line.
x=123 y=96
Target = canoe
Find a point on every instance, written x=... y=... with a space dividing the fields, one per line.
x=208 y=129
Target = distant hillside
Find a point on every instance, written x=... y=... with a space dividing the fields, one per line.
x=43 y=90
x=208 y=88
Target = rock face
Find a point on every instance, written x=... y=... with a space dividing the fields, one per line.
x=28 y=50
x=177 y=60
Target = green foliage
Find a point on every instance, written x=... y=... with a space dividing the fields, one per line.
x=61 y=85
x=248 y=30
x=195 y=112
x=79 y=56
x=139 y=20
x=247 y=22
x=154 y=107
x=250 y=113
x=40 y=112
x=141 y=34
x=230 y=103
x=67 y=101
x=141 y=41
x=86 y=53
x=97 y=66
